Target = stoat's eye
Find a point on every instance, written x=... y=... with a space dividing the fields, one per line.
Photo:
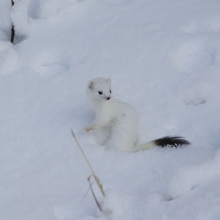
x=100 y=92
x=110 y=91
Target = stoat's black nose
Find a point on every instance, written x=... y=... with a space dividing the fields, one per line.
x=108 y=98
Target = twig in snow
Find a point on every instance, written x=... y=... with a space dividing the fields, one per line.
x=93 y=174
x=90 y=185
x=86 y=193
x=12 y=29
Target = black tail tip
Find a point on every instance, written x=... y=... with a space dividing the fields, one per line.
x=171 y=141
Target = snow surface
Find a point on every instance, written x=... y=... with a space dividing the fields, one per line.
x=5 y=20
x=163 y=58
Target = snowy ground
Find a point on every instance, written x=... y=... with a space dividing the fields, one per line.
x=163 y=57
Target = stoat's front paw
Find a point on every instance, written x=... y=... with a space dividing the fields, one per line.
x=92 y=128
x=87 y=129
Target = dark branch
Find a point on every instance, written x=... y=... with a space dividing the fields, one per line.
x=12 y=34
x=12 y=29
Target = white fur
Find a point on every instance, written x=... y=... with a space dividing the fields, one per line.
x=120 y=117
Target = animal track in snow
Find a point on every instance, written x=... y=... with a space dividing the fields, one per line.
x=50 y=64
x=51 y=69
x=194 y=101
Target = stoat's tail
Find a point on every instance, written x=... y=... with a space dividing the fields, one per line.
x=163 y=142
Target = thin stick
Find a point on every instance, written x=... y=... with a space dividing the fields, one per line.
x=93 y=173
x=12 y=28
x=12 y=34
x=86 y=192
x=90 y=185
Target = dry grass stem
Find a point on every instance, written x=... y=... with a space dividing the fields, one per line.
x=86 y=193
x=93 y=173
x=90 y=185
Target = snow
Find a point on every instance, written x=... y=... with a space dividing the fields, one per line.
x=163 y=57
x=190 y=177
x=19 y=15
x=113 y=206
x=5 y=20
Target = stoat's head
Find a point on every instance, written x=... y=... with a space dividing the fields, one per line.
x=99 y=89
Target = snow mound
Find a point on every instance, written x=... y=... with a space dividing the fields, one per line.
x=5 y=20
x=19 y=15
x=8 y=58
x=192 y=56
x=55 y=7
x=190 y=177
x=113 y=206
x=49 y=64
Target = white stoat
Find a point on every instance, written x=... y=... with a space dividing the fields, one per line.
x=121 y=119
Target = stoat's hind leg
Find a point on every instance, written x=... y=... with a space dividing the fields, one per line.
x=120 y=140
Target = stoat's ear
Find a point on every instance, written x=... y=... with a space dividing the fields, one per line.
x=109 y=80
x=91 y=85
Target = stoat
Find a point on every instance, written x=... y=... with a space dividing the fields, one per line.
x=121 y=118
